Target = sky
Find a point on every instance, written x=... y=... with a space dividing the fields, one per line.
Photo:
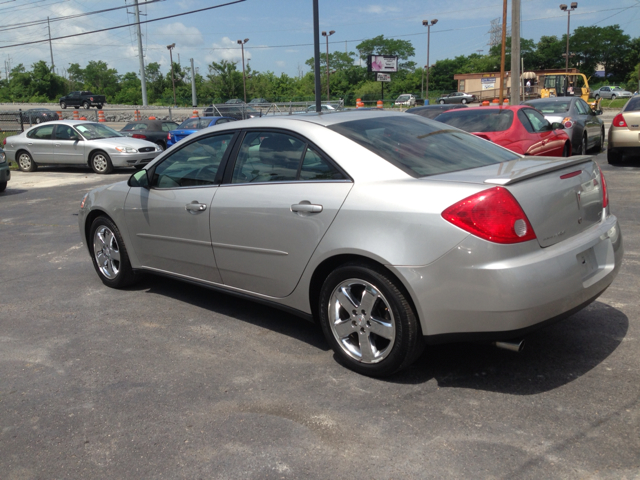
x=280 y=32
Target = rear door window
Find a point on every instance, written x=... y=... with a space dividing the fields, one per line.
x=42 y=133
x=539 y=123
x=478 y=120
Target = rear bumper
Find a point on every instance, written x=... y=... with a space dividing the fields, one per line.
x=489 y=290
x=5 y=173
x=623 y=138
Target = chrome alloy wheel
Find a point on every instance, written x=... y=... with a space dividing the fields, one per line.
x=25 y=161
x=361 y=320
x=107 y=252
x=100 y=163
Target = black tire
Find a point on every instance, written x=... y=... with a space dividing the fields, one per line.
x=38 y=120
x=463 y=101
x=583 y=145
x=596 y=97
x=162 y=145
x=109 y=254
x=566 y=152
x=138 y=167
x=63 y=105
x=100 y=107
x=3 y=186
x=613 y=97
x=100 y=163
x=613 y=157
x=441 y=102
x=25 y=162
x=391 y=306
x=600 y=145
x=86 y=105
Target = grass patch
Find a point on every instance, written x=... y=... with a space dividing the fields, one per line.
x=617 y=103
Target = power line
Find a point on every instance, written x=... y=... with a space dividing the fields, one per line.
x=124 y=26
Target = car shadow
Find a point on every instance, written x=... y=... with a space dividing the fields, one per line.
x=251 y=312
x=552 y=357
x=12 y=191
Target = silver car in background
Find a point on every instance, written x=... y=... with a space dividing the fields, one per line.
x=77 y=142
x=580 y=122
x=611 y=93
x=391 y=230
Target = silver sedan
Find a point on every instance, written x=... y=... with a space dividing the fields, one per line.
x=75 y=142
x=388 y=229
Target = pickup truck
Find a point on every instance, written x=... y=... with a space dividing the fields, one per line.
x=86 y=99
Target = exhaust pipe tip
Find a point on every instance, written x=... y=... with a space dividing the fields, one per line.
x=513 y=346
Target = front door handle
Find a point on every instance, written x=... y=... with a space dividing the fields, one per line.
x=195 y=207
x=306 y=208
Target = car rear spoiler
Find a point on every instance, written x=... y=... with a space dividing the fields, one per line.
x=528 y=167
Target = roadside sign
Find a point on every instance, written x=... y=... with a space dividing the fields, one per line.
x=384 y=77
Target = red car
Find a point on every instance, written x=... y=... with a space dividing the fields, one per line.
x=520 y=128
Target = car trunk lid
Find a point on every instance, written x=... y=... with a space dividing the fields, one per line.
x=561 y=197
x=632 y=119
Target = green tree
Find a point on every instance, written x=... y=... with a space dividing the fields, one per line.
x=226 y=81
x=388 y=46
x=595 y=45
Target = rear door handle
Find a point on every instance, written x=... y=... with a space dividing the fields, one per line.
x=306 y=207
x=195 y=207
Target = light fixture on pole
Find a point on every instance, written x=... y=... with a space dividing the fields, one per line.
x=428 y=25
x=327 y=35
x=173 y=81
x=569 y=9
x=244 y=78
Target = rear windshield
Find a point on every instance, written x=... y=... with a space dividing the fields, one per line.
x=551 y=107
x=478 y=119
x=421 y=147
x=633 y=105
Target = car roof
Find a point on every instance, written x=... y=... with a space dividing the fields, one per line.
x=551 y=99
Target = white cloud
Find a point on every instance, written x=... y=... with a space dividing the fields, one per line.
x=378 y=9
x=280 y=63
x=182 y=35
x=228 y=50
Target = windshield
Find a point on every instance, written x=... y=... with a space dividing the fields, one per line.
x=478 y=120
x=633 y=105
x=421 y=147
x=95 y=131
x=616 y=89
x=551 y=107
x=402 y=98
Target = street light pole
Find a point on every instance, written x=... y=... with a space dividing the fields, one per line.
x=428 y=25
x=244 y=77
x=570 y=9
x=327 y=35
x=173 y=81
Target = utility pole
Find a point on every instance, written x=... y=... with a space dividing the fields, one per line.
x=173 y=81
x=194 y=99
x=143 y=79
x=316 y=54
x=50 y=47
x=327 y=35
x=515 y=52
x=504 y=41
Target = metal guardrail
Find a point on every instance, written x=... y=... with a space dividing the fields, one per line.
x=11 y=122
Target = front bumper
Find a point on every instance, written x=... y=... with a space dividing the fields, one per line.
x=481 y=289
x=132 y=159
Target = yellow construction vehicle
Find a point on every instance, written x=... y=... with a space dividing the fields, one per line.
x=567 y=85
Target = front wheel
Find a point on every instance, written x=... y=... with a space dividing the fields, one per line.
x=161 y=145
x=613 y=97
x=369 y=321
x=596 y=97
x=464 y=101
x=26 y=163
x=86 y=105
x=109 y=255
x=583 y=145
x=38 y=120
x=101 y=163
x=441 y=102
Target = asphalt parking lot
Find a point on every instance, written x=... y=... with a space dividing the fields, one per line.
x=170 y=380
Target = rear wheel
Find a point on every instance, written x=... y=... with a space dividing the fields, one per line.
x=464 y=100
x=597 y=97
x=613 y=157
x=38 y=120
x=63 y=105
x=161 y=145
x=86 y=105
x=109 y=255
x=441 y=102
x=566 y=152
x=101 y=163
x=26 y=163
x=369 y=321
x=3 y=186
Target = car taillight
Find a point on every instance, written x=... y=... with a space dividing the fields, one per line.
x=605 y=194
x=4 y=141
x=168 y=136
x=494 y=215
x=139 y=135
x=567 y=122
x=618 y=121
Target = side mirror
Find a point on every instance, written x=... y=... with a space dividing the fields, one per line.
x=597 y=112
x=557 y=126
x=139 y=179
x=75 y=138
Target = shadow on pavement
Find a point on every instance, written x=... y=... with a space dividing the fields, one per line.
x=552 y=357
